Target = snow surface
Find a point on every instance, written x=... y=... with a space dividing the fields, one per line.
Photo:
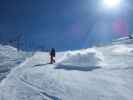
x=103 y=73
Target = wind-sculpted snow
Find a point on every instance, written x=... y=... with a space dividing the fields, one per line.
x=104 y=73
x=83 y=58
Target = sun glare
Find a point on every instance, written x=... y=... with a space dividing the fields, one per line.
x=111 y=3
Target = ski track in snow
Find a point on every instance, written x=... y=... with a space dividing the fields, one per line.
x=38 y=89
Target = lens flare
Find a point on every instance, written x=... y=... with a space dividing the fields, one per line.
x=120 y=27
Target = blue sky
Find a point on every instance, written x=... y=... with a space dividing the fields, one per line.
x=63 y=24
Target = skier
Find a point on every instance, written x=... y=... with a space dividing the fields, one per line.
x=130 y=36
x=52 y=56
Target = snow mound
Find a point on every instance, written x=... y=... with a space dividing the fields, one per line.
x=85 y=58
x=121 y=49
x=118 y=56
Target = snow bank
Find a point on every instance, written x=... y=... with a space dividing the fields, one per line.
x=123 y=40
x=9 y=58
x=88 y=57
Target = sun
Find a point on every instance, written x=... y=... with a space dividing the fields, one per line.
x=111 y=3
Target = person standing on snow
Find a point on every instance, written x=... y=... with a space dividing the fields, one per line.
x=52 y=56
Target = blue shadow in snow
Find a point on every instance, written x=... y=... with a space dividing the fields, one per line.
x=79 y=68
x=41 y=65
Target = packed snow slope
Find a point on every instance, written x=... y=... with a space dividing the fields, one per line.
x=9 y=58
x=104 y=73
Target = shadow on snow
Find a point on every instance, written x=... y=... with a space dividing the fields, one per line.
x=41 y=65
x=75 y=67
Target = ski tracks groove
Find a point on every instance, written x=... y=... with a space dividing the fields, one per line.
x=38 y=89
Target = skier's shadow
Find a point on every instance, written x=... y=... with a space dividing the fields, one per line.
x=79 y=68
x=41 y=65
